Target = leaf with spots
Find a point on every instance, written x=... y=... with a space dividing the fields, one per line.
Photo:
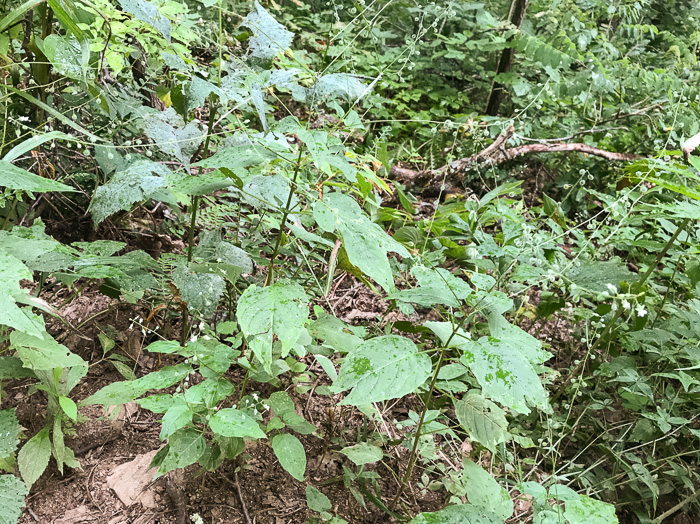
x=185 y=446
x=43 y=353
x=365 y=242
x=505 y=374
x=269 y=36
x=231 y=422
x=291 y=454
x=436 y=286
x=277 y=311
x=12 y=493
x=382 y=368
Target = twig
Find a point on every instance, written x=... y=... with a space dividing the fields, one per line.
x=239 y=492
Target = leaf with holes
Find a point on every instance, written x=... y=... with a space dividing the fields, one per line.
x=201 y=291
x=365 y=242
x=269 y=36
x=278 y=311
x=43 y=353
x=382 y=368
x=172 y=136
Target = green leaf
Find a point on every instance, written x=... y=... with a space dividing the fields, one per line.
x=67 y=55
x=365 y=242
x=437 y=286
x=382 y=368
x=12 y=493
x=17 y=13
x=209 y=392
x=269 y=36
x=176 y=417
x=363 y=453
x=334 y=333
x=334 y=86
x=281 y=403
x=483 y=490
x=596 y=275
x=34 y=456
x=123 y=392
x=271 y=191
x=279 y=310
x=32 y=143
x=291 y=454
x=231 y=422
x=586 y=510
x=43 y=353
x=201 y=291
x=459 y=514
x=504 y=373
x=202 y=184
x=172 y=136
x=483 y=420
x=69 y=408
x=14 y=177
x=148 y=13
x=12 y=270
x=184 y=448
x=139 y=181
x=9 y=433
x=238 y=158
x=317 y=501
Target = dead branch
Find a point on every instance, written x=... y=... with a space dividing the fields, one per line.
x=438 y=180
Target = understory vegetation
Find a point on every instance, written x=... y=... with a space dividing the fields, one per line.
x=503 y=184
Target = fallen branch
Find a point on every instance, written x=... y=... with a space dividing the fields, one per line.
x=438 y=180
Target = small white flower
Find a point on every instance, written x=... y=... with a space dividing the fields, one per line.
x=612 y=288
x=266 y=407
x=625 y=304
x=218 y=260
x=255 y=396
x=641 y=312
x=206 y=337
x=194 y=338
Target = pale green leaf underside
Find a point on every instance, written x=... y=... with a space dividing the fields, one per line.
x=269 y=36
x=43 y=353
x=9 y=431
x=201 y=291
x=382 y=368
x=483 y=420
x=363 y=453
x=436 y=286
x=459 y=514
x=231 y=422
x=34 y=456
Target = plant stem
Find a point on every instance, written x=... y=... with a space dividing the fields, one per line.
x=611 y=324
x=412 y=458
x=270 y=272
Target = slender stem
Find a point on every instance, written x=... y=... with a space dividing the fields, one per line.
x=414 y=451
x=270 y=272
x=193 y=220
x=9 y=214
x=611 y=324
x=675 y=508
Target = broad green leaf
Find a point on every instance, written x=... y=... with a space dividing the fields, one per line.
x=43 y=353
x=238 y=158
x=148 y=13
x=15 y=14
x=317 y=501
x=231 y=422
x=269 y=36
x=596 y=275
x=34 y=456
x=504 y=373
x=201 y=291
x=12 y=493
x=279 y=310
x=67 y=55
x=483 y=490
x=586 y=510
x=32 y=143
x=365 y=242
x=291 y=454
x=529 y=346
x=9 y=433
x=157 y=403
x=13 y=367
x=176 y=417
x=271 y=191
x=209 y=392
x=202 y=184
x=363 y=453
x=184 y=448
x=172 y=136
x=141 y=180
x=338 y=86
x=382 y=368
x=334 y=333
x=459 y=514
x=483 y=420
x=122 y=392
x=436 y=286
x=12 y=270
x=69 y=408
x=281 y=403
x=14 y=177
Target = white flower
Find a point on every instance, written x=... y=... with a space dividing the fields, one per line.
x=194 y=338
x=266 y=407
x=255 y=396
x=641 y=312
x=612 y=288
x=625 y=304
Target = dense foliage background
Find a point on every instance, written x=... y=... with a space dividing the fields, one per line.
x=275 y=194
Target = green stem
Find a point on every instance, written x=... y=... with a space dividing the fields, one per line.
x=270 y=272
x=9 y=214
x=375 y=500
x=414 y=450
x=611 y=324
